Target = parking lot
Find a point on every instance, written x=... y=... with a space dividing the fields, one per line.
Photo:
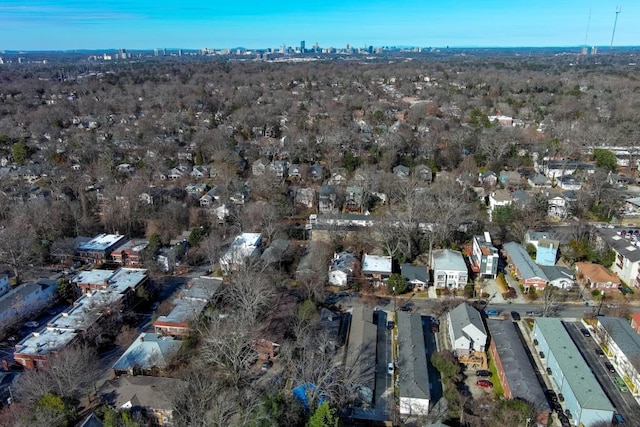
x=624 y=402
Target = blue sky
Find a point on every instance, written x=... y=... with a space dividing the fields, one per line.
x=147 y=24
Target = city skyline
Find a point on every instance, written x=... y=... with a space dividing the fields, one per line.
x=72 y=24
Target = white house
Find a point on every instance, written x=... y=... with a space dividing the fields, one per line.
x=341 y=268
x=498 y=198
x=627 y=251
x=466 y=330
x=243 y=246
x=449 y=269
x=26 y=300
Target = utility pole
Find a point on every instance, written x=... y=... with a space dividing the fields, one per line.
x=615 y=23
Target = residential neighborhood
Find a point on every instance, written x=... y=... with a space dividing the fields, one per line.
x=238 y=241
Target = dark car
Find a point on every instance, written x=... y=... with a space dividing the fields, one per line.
x=600 y=352
x=266 y=365
x=585 y=332
x=556 y=407
x=552 y=395
x=483 y=373
x=390 y=324
x=549 y=371
x=610 y=367
x=515 y=315
x=560 y=397
x=405 y=308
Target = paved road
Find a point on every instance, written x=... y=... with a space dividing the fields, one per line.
x=384 y=383
x=623 y=402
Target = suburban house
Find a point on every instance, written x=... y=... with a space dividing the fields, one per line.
x=279 y=168
x=200 y=172
x=303 y=196
x=100 y=247
x=533 y=237
x=401 y=171
x=515 y=371
x=129 y=254
x=342 y=268
x=596 y=276
x=327 y=199
x=316 y=172
x=510 y=179
x=417 y=275
x=449 y=269
x=623 y=346
x=484 y=256
x=424 y=173
x=539 y=181
x=338 y=177
x=467 y=334
x=259 y=167
x=498 y=198
x=555 y=168
x=190 y=303
x=547 y=251
x=488 y=179
x=414 y=389
x=25 y=301
x=570 y=182
x=196 y=190
x=244 y=246
x=558 y=276
x=584 y=399
x=211 y=197
x=627 y=251
x=528 y=272
x=376 y=268
x=354 y=200
x=296 y=171
x=276 y=253
x=149 y=354
x=149 y=395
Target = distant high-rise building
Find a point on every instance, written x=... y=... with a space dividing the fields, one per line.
x=283 y=48
x=164 y=51
x=179 y=52
x=370 y=49
x=155 y=52
x=302 y=46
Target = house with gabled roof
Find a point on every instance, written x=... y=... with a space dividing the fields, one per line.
x=316 y=172
x=417 y=275
x=424 y=173
x=259 y=167
x=528 y=272
x=467 y=332
x=596 y=276
x=401 y=171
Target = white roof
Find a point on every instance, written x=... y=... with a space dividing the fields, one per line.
x=376 y=263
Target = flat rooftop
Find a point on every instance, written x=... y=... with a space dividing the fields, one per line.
x=101 y=242
x=45 y=341
x=136 y=245
x=376 y=263
x=120 y=279
x=87 y=309
x=183 y=311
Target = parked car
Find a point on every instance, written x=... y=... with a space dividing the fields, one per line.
x=405 y=308
x=552 y=395
x=483 y=373
x=549 y=371
x=610 y=367
x=560 y=397
x=484 y=383
x=266 y=365
x=390 y=324
x=534 y=313
x=618 y=419
x=515 y=315
x=585 y=332
x=541 y=354
x=600 y=352
x=390 y=369
x=32 y=324
x=492 y=312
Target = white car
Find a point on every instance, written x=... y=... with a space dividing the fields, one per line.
x=32 y=324
x=390 y=369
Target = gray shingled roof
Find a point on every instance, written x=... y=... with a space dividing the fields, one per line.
x=627 y=340
x=519 y=373
x=621 y=245
x=415 y=272
x=413 y=375
x=463 y=315
x=523 y=262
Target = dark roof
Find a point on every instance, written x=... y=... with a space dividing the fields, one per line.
x=518 y=371
x=415 y=272
x=620 y=244
x=413 y=375
x=621 y=333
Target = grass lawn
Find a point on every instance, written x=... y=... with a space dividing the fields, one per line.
x=497 y=387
